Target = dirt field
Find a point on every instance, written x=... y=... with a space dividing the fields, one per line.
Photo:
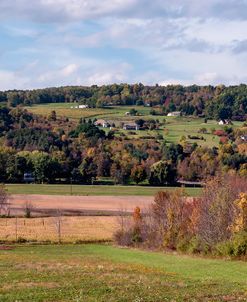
x=71 y=228
x=49 y=205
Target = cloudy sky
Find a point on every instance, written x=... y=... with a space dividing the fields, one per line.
x=47 y=43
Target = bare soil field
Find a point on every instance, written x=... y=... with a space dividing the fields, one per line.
x=49 y=205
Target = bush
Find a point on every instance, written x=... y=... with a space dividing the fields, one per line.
x=224 y=249
x=123 y=237
x=21 y=240
x=236 y=247
x=192 y=246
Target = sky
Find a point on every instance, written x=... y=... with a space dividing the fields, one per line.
x=47 y=43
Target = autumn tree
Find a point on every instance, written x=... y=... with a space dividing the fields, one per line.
x=52 y=116
x=240 y=223
x=171 y=214
x=217 y=208
x=162 y=173
x=137 y=221
x=138 y=174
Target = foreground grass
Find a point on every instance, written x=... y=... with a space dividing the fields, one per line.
x=105 y=273
x=92 y=190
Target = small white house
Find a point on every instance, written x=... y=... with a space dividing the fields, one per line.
x=175 y=113
x=83 y=106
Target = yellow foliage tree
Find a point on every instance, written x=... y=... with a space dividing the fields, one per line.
x=241 y=221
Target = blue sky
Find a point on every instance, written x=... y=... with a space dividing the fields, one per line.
x=48 y=43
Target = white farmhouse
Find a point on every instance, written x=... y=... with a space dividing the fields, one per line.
x=175 y=113
x=83 y=106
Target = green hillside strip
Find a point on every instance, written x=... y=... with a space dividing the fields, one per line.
x=100 y=190
x=101 y=273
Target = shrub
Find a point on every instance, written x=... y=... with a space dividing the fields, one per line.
x=123 y=237
x=192 y=246
x=239 y=244
x=219 y=133
x=21 y=240
x=236 y=247
x=224 y=140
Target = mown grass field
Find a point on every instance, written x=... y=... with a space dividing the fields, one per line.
x=172 y=131
x=72 y=229
x=99 y=273
x=98 y=190
x=64 y=110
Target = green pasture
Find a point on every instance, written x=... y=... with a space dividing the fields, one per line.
x=172 y=131
x=64 y=110
x=98 y=190
x=100 y=273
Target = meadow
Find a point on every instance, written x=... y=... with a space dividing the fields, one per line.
x=87 y=190
x=71 y=229
x=172 y=131
x=90 y=273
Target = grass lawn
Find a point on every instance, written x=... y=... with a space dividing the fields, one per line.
x=98 y=273
x=92 y=190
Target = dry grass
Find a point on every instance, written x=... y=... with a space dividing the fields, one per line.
x=88 y=228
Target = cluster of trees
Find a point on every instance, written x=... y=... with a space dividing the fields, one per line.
x=219 y=102
x=214 y=223
x=83 y=152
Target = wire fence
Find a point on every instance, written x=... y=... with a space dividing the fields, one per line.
x=59 y=228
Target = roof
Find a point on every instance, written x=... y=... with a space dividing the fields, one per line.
x=131 y=124
x=100 y=121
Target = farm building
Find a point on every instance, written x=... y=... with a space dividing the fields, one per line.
x=28 y=178
x=175 y=113
x=131 y=126
x=225 y=122
x=79 y=107
x=102 y=123
x=243 y=138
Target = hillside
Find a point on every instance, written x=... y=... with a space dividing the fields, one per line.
x=105 y=273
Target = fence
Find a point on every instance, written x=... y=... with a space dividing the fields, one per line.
x=60 y=228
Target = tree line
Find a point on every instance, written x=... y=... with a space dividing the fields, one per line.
x=218 y=102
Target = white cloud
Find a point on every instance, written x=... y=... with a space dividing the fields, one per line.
x=187 y=41
x=117 y=73
x=64 y=10
x=69 y=69
x=13 y=80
